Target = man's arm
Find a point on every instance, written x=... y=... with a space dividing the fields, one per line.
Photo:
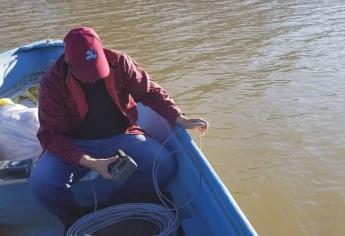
x=54 y=123
x=144 y=90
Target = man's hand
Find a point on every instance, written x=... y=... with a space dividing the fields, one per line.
x=193 y=123
x=100 y=165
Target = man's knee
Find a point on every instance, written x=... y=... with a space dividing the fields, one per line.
x=43 y=180
x=38 y=183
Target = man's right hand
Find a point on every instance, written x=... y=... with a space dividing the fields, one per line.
x=100 y=165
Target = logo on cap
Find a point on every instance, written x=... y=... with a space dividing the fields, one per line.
x=91 y=54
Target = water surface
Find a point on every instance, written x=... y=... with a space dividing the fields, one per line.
x=268 y=75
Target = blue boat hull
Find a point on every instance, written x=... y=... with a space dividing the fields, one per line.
x=212 y=210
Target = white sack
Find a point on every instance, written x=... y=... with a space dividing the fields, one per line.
x=18 y=129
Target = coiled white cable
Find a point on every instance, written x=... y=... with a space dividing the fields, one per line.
x=157 y=214
x=156 y=165
x=165 y=218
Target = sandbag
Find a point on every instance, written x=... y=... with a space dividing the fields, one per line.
x=18 y=129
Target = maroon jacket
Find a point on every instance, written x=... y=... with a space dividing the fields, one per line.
x=62 y=103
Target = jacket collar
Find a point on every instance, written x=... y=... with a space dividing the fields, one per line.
x=78 y=95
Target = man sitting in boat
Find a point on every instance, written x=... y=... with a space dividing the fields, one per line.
x=87 y=111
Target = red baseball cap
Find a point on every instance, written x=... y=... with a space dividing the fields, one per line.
x=84 y=52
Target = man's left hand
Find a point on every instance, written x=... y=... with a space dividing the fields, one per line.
x=193 y=123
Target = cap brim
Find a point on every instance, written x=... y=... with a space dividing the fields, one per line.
x=92 y=70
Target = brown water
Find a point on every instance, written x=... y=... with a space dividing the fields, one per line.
x=268 y=75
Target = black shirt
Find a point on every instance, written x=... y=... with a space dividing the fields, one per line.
x=103 y=119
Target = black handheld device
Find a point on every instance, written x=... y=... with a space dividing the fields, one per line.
x=15 y=169
x=123 y=169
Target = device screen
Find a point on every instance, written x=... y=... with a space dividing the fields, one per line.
x=14 y=164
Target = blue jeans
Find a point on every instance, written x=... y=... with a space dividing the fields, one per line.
x=52 y=177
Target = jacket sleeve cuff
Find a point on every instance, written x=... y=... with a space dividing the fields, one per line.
x=74 y=157
x=172 y=115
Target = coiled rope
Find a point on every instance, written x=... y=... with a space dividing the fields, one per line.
x=164 y=219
